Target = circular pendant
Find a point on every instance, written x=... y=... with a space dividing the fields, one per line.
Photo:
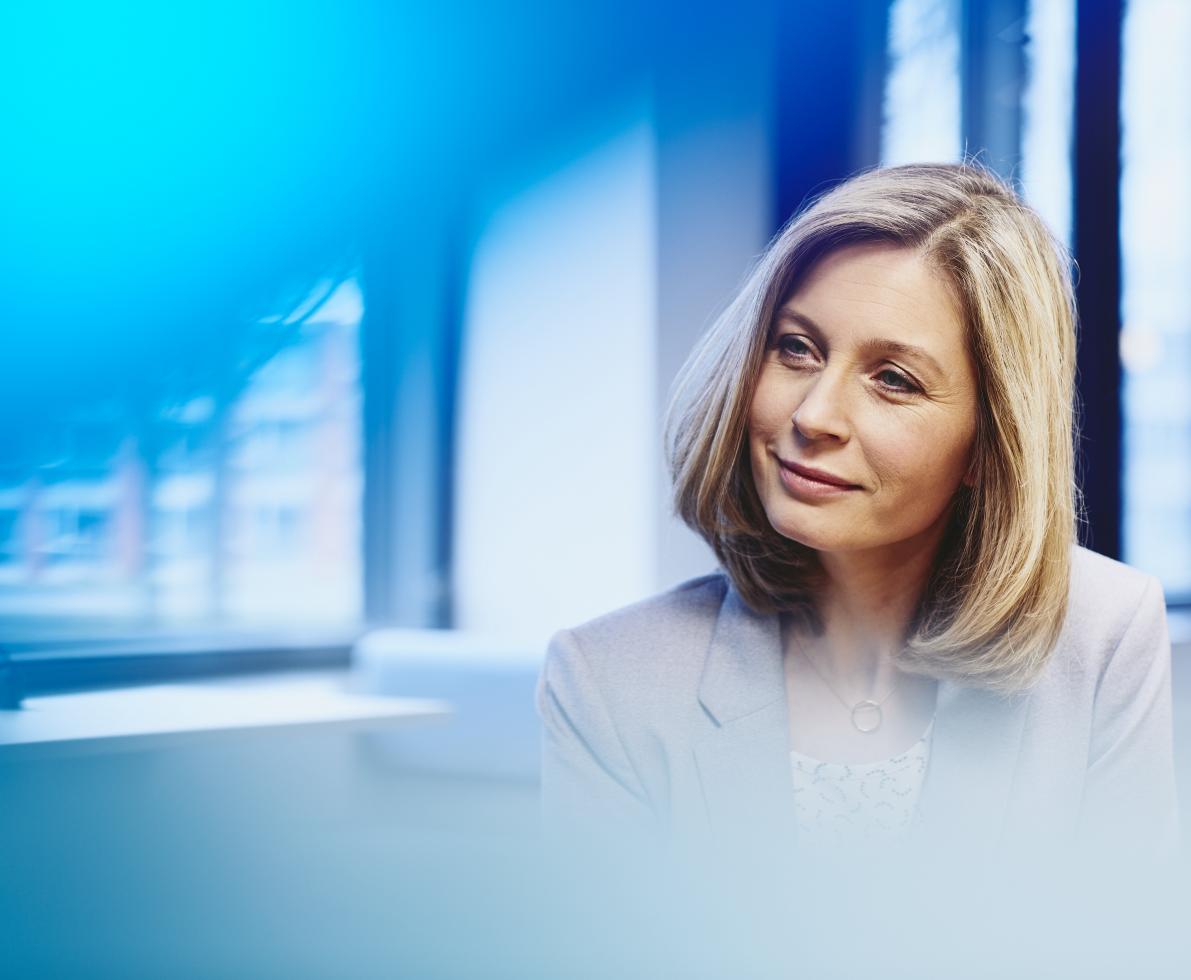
x=867 y=716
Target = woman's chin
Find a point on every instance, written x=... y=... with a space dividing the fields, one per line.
x=816 y=542
x=823 y=541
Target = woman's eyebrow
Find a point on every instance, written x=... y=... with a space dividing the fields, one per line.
x=874 y=345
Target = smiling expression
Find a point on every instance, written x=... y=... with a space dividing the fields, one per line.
x=867 y=377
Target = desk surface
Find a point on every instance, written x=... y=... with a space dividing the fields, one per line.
x=167 y=714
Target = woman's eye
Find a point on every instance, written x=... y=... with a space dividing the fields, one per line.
x=794 y=346
x=899 y=381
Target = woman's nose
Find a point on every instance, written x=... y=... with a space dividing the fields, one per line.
x=822 y=412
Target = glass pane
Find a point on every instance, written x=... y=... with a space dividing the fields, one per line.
x=244 y=509
x=1047 y=112
x=1156 y=290
x=922 y=91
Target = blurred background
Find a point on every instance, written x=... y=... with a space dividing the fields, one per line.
x=362 y=312
x=326 y=325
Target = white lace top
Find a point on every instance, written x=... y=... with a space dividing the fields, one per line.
x=849 y=803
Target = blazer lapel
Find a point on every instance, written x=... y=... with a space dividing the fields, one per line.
x=973 y=757
x=744 y=764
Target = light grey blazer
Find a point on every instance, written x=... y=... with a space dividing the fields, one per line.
x=670 y=716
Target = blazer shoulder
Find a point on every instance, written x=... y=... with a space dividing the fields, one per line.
x=661 y=632
x=1095 y=570
x=1103 y=588
x=1108 y=600
x=694 y=601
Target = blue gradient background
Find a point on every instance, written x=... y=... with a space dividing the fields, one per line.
x=170 y=172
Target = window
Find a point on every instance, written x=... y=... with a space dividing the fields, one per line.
x=1047 y=117
x=922 y=90
x=240 y=511
x=1156 y=294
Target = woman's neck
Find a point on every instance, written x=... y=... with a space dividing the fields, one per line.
x=866 y=604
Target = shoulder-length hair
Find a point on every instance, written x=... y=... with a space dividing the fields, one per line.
x=997 y=595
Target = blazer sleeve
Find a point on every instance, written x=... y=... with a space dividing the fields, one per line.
x=589 y=787
x=1130 y=801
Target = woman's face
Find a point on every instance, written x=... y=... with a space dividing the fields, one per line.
x=866 y=377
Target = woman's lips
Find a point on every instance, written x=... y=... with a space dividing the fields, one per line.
x=801 y=484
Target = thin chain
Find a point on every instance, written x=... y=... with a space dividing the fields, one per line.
x=831 y=687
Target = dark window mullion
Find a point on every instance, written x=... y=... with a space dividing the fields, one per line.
x=1096 y=239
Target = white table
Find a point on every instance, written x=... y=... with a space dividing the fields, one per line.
x=168 y=714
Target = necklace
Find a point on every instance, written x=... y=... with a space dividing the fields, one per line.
x=866 y=713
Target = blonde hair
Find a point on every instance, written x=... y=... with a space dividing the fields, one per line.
x=997 y=595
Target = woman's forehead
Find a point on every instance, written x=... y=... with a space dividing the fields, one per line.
x=863 y=294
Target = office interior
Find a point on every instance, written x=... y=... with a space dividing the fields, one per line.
x=338 y=339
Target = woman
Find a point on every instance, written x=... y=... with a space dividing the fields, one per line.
x=904 y=641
